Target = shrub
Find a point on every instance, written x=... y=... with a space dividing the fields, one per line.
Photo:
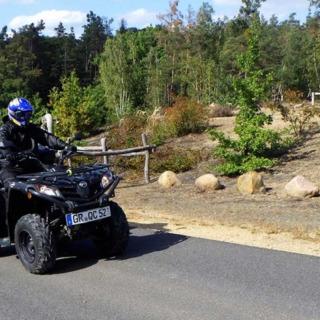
x=219 y=111
x=254 y=148
x=185 y=116
x=127 y=133
x=77 y=108
x=298 y=112
x=173 y=159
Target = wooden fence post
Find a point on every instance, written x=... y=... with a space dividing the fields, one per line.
x=104 y=149
x=69 y=160
x=147 y=159
x=312 y=98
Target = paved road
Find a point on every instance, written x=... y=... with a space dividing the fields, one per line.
x=165 y=276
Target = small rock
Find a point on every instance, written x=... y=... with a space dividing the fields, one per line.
x=208 y=182
x=300 y=187
x=169 y=179
x=251 y=182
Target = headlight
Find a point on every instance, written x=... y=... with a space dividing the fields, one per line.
x=107 y=178
x=48 y=191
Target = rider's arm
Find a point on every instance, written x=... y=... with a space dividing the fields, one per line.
x=6 y=142
x=48 y=139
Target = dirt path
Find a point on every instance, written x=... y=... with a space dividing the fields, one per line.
x=282 y=241
x=271 y=221
x=260 y=221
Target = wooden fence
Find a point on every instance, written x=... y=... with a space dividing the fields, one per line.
x=313 y=95
x=102 y=150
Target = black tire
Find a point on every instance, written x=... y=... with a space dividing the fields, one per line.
x=112 y=234
x=34 y=244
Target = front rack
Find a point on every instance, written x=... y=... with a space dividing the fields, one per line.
x=67 y=171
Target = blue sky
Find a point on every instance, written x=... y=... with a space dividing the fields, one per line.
x=137 y=13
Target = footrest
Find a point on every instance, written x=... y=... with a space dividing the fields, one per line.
x=5 y=242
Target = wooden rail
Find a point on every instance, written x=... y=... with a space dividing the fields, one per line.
x=103 y=150
x=313 y=94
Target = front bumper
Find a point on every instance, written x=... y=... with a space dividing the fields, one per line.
x=73 y=206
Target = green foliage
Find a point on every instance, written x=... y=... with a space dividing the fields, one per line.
x=166 y=158
x=95 y=33
x=190 y=54
x=185 y=117
x=159 y=133
x=39 y=109
x=255 y=146
x=193 y=55
x=123 y=68
x=18 y=63
x=77 y=108
x=176 y=160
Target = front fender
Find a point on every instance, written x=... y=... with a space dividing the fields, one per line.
x=18 y=205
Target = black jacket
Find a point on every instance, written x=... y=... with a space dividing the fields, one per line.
x=27 y=138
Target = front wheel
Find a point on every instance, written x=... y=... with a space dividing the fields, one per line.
x=112 y=234
x=35 y=245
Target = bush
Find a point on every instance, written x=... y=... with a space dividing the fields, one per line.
x=219 y=111
x=173 y=159
x=77 y=108
x=255 y=147
x=185 y=116
x=298 y=112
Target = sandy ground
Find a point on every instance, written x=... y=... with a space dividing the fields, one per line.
x=282 y=241
x=271 y=221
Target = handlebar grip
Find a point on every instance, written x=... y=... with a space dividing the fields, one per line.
x=11 y=157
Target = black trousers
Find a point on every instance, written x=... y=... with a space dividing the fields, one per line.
x=10 y=171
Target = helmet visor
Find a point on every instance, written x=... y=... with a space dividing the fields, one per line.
x=23 y=115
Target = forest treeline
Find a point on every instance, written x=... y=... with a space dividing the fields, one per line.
x=105 y=74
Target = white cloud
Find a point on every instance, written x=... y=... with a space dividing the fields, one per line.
x=51 y=19
x=228 y=3
x=26 y=1
x=139 y=18
x=18 y=1
x=282 y=10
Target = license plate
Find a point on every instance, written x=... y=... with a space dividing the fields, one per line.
x=88 y=216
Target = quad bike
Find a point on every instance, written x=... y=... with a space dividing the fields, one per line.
x=42 y=212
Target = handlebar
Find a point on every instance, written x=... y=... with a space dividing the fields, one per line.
x=16 y=156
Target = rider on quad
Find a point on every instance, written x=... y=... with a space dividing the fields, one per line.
x=19 y=135
x=45 y=207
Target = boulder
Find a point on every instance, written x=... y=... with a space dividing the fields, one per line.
x=300 y=187
x=208 y=182
x=169 y=179
x=251 y=182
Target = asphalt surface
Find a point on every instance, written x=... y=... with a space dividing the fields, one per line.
x=165 y=276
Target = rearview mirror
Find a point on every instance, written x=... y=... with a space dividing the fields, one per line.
x=77 y=136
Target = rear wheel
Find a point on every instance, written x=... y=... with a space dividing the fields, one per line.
x=35 y=245
x=112 y=234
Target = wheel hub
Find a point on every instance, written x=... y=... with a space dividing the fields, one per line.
x=27 y=246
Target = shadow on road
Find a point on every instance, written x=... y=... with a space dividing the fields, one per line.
x=149 y=243
x=7 y=251
x=83 y=254
x=80 y=255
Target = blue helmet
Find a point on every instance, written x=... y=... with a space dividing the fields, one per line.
x=20 y=112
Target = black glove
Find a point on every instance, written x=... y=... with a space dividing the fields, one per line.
x=72 y=148
x=14 y=156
